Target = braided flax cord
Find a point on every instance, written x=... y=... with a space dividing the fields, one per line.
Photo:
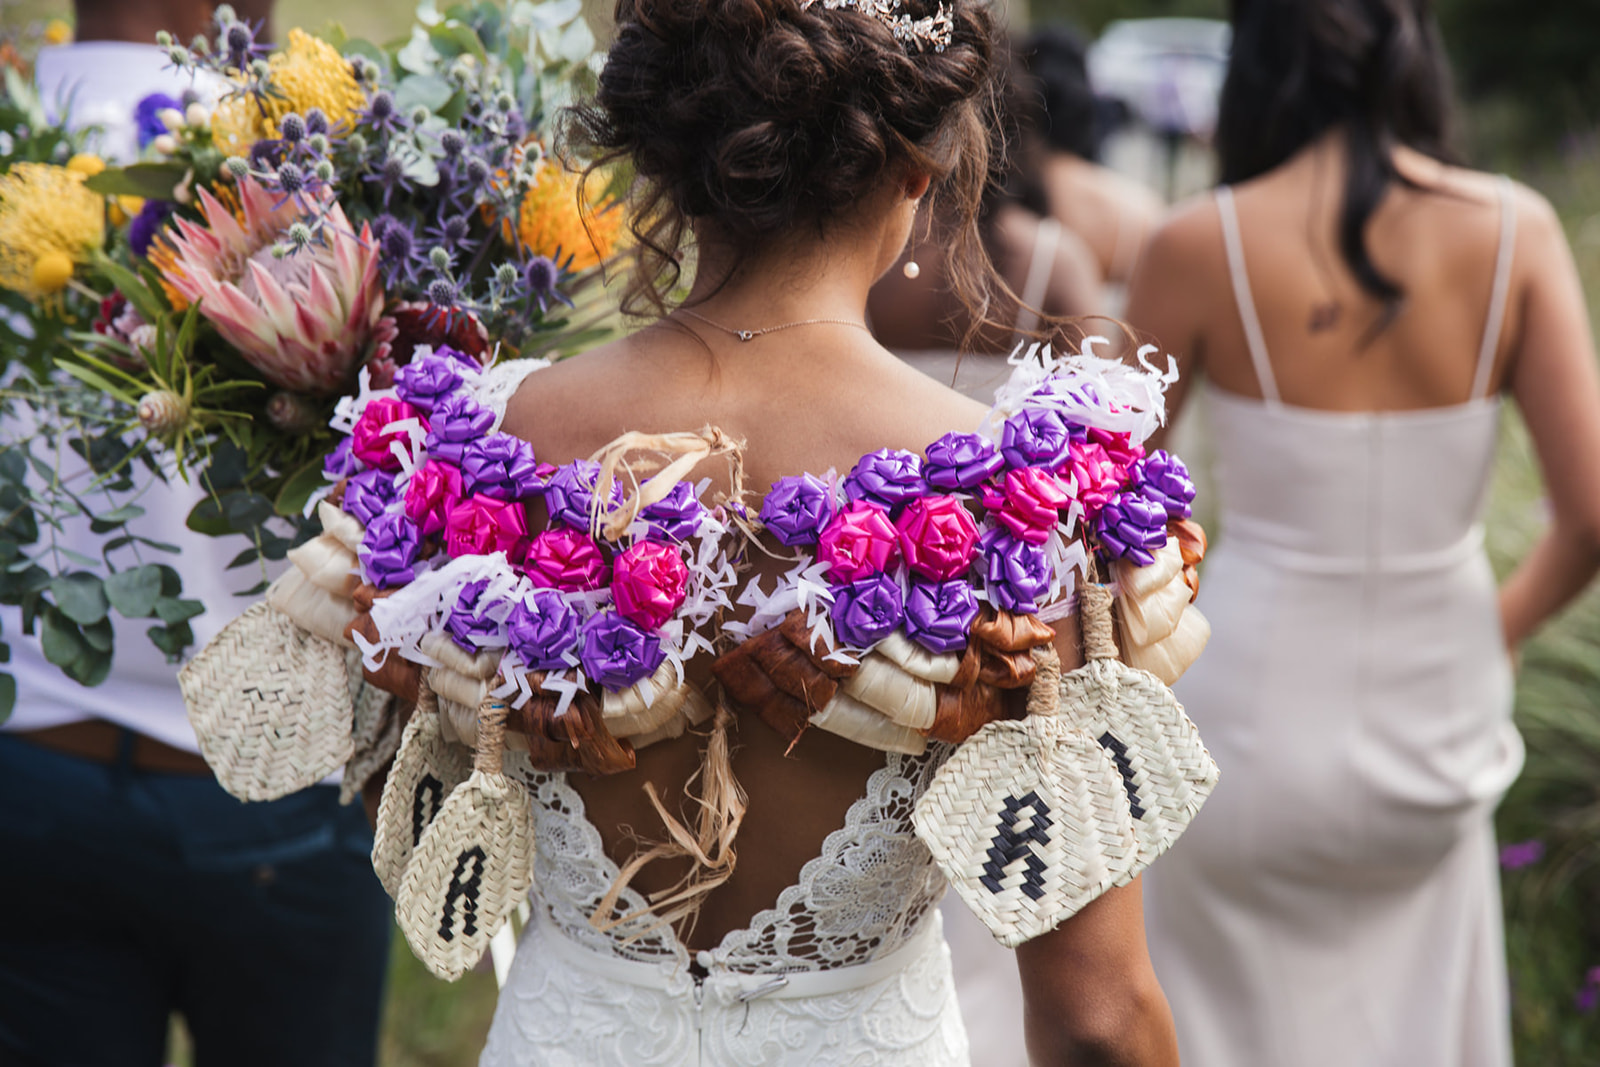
x=1032 y=820
x=426 y=771
x=270 y=704
x=474 y=863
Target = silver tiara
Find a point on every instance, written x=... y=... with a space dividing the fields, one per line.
x=917 y=35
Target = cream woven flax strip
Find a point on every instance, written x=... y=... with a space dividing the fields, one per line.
x=1032 y=820
x=270 y=704
x=473 y=864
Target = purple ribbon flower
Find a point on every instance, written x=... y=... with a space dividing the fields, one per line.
x=1132 y=527
x=797 y=509
x=961 y=461
x=569 y=494
x=341 y=461
x=676 y=516
x=617 y=653
x=866 y=611
x=469 y=623
x=1162 y=478
x=542 y=628
x=457 y=420
x=1016 y=573
x=500 y=466
x=423 y=383
x=1037 y=437
x=369 y=494
x=389 y=550
x=452 y=353
x=889 y=476
x=939 y=615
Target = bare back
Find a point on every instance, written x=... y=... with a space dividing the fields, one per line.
x=810 y=401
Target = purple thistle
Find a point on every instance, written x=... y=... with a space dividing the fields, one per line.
x=144 y=116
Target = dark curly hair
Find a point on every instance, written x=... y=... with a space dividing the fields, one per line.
x=746 y=120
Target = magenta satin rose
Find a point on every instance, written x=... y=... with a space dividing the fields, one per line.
x=564 y=558
x=431 y=494
x=370 y=440
x=1122 y=452
x=860 y=541
x=481 y=525
x=649 y=582
x=1028 y=502
x=1093 y=474
x=937 y=537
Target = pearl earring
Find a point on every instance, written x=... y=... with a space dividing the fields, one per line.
x=911 y=270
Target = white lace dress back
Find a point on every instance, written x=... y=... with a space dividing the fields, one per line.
x=848 y=966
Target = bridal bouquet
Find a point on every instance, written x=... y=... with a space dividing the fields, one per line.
x=295 y=226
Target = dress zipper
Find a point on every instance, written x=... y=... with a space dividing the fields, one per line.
x=699 y=1030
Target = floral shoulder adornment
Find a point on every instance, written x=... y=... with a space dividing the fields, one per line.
x=919 y=584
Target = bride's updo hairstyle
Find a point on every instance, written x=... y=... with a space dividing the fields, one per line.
x=747 y=121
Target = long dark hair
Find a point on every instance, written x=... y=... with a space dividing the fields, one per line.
x=1375 y=67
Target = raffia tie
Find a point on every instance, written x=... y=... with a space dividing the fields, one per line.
x=674 y=456
x=722 y=804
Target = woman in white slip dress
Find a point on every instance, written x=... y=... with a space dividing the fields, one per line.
x=1338 y=903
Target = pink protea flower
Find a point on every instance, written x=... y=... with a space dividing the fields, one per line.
x=304 y=320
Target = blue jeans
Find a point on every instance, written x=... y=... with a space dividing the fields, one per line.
x=126 y=895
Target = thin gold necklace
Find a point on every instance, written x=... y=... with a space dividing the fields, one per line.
x=751 y=335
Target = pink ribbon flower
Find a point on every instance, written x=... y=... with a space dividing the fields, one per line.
x=1094 y=475
x=481 y=525
x=649 y=582
x=1028 y=503
x=937 y=537
x=858 y=542
x=564 y=558
x=371 y=437
x=1122 y=453
x=431 y=494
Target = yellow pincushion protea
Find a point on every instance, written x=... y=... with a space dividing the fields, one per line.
x=554 y=223
x=309 y=73
x=49 y=224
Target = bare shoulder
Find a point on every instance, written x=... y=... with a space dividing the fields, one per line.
x=1185 y=248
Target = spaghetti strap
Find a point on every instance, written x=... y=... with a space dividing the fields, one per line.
x=1499 y=292
x=1046 y=239
x=1241 y=296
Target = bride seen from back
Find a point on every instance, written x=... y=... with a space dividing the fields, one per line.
x=791 y=146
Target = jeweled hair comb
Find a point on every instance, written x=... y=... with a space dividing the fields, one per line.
x=934 y=32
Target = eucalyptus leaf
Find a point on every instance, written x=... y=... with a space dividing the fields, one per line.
x=60 y=639
x=206 y=518
x=298 y=487
x=80 y=596
x=13 y=465
x=171 y=639
x=91 y=668
x=134 y=592
x=171 y=611
x=244 y=559
x=418 y=56
x=8 y=697
x=246 y=511
x=100 y=636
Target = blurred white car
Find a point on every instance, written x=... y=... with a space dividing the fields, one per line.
x=1167 y=72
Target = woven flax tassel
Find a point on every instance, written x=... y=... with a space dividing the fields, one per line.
x=473 y=864
x=1033 y=819
x=270 y=704
x=426 y=771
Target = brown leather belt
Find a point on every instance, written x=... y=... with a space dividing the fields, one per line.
x=102 y=742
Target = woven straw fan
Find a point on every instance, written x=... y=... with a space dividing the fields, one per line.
x=426 y=770
x=1032 y=820
x=473 y=864
x=270 y=704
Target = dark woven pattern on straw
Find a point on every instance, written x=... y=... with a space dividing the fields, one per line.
x=270 y=704
x=1032 y=820
x=474 y=863
x=426 y=771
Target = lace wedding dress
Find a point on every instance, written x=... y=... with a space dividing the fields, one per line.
x=849 y=966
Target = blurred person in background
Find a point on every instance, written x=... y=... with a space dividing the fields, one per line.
x=1112 y=213
x=1360 y=304
x=914 y=310
x=137 y=887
